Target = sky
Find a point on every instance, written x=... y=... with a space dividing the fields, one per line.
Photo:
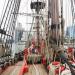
x=67 y=12
x=25 y=7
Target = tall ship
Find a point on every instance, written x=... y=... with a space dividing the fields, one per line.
x=43 y=46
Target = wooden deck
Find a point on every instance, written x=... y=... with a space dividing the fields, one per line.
x=13 y=70
x=37 y=69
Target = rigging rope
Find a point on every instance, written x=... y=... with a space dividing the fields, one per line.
x=4 y=13
x=3 y=10
x=30 y=30
x=16 y=8
x=12 y=17
x=7 y=15
x=73 y=18
x=9 y=18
